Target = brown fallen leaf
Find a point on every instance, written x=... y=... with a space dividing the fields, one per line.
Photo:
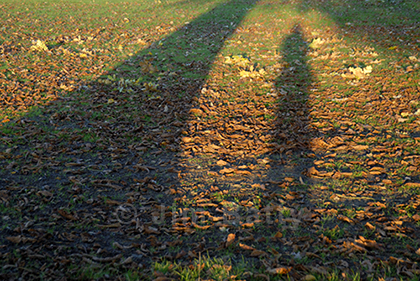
x=368 y=243
x=292 y=220
x=66 y=215
x=114 y=225
x=20 y=238
x=14 y=239
x=45 y=193
x=258 y=253
x=113 y=202
x=350 y=247
x=416 y=217
x=315 y=173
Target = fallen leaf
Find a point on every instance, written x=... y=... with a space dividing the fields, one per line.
x=309 y=278
x=221 y=163
x=227 y=171
x=246 y=247
x=345 y=219
x=370 y=226
x=279 y=270
x=317 y=43
x=230 y=239
x=278 y=235
x=412 y=184
x=39 y=46
x=66 y=215
x=258 y=253
x=14 y=239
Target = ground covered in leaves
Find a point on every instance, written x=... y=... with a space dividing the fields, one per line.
x=214 y=140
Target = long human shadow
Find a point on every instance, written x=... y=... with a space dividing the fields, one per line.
x=293 y=87
x=160 y=88
x=293 y=132
x=384 y=23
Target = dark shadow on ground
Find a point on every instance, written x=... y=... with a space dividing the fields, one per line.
x=293 y=87
x=115 y=144
x=293 y=131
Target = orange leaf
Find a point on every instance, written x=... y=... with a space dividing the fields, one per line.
x=279 y=270
x=246 y=247
x=249 y=224
x=227 y=171
x=221 y=163
x=230 y=239
x=370 y=226
x=412 y=185
x=345 y=219
x=278 y=235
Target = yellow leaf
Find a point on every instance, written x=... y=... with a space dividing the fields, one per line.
x=237 y=60
x=309 y=278
x=111 y=101
x=392 y=48
x=316 y=43
x=244 y=74
x=39 y=46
